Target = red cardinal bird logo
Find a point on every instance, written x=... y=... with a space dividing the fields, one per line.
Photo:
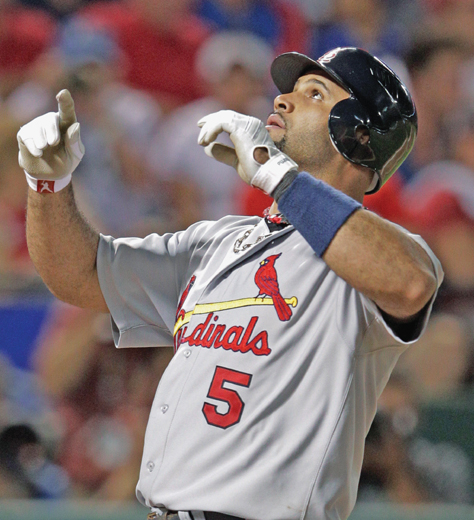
x=267 y=283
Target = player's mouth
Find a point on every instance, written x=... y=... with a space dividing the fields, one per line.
x=275 y=121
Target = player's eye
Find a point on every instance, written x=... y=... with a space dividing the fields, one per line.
x=316 y=94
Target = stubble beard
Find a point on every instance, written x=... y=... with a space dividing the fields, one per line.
x=297 y=150
x=310 y=154
x=281 y=144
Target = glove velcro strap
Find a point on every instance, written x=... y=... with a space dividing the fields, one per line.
x=47 y=185
x=272 y=172
x=316 y=210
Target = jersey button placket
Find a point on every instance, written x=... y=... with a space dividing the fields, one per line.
x=181 y=368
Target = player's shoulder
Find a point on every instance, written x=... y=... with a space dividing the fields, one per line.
x=216 y=229
x=197 y=233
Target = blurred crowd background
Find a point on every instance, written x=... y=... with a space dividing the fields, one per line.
x=73 y=409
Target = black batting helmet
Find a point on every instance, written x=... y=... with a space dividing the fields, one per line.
x=379 y=101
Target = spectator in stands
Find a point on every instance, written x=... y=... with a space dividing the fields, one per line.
x=314 y=11
x=277 y=22
x=388 y=474
x=159 y=40
x=25 y=462
x=364 y=24
x=33 y=96
x=22 y=399
x=435 y=67
x=440 y=203
x=117 y=121
x=28 y=434
x=24 y=34
x=400 y=465
x=442 y=360
x=101 y=398
x=448 y=19
x=17 y=273
x=234 y=67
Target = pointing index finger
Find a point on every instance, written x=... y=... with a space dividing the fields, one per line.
x=67 y=115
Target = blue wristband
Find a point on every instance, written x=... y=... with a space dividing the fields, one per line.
x=316 y=209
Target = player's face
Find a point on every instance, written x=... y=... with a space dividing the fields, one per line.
x=299 y=124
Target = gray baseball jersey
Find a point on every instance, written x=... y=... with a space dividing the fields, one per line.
x=263 y=410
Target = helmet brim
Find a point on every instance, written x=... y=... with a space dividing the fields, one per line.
x=287 y=68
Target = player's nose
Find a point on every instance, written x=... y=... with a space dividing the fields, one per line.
x=283 y=103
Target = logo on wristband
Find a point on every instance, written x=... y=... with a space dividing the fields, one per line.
x=45 y=186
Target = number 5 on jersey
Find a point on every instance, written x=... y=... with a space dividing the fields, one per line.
x=218 y=391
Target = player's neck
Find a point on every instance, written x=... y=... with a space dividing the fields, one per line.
x=345 y=176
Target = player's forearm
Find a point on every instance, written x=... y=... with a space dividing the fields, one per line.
x=370 y=253
x=63 y=248
x=383 y=263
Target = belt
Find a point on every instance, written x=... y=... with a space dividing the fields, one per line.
x=209 y=515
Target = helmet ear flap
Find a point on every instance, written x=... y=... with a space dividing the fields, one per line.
x=346 y=120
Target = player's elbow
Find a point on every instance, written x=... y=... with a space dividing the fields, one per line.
x=404 y=297
x=416 y=293
x=81 y=292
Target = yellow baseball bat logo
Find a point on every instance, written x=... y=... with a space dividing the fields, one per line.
x=206 y=308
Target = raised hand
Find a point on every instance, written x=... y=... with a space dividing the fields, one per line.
x=50 y=146
x=248 y=134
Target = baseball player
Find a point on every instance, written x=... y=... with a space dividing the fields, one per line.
x=286 y=328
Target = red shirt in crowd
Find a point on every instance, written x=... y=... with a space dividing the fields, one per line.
x=24 y=34
x=158 y=61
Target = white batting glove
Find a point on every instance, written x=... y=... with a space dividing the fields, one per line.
x=51 y=147
x=247 y=133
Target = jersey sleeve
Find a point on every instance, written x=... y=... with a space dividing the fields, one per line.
x=380 y=333
x=141 y=279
